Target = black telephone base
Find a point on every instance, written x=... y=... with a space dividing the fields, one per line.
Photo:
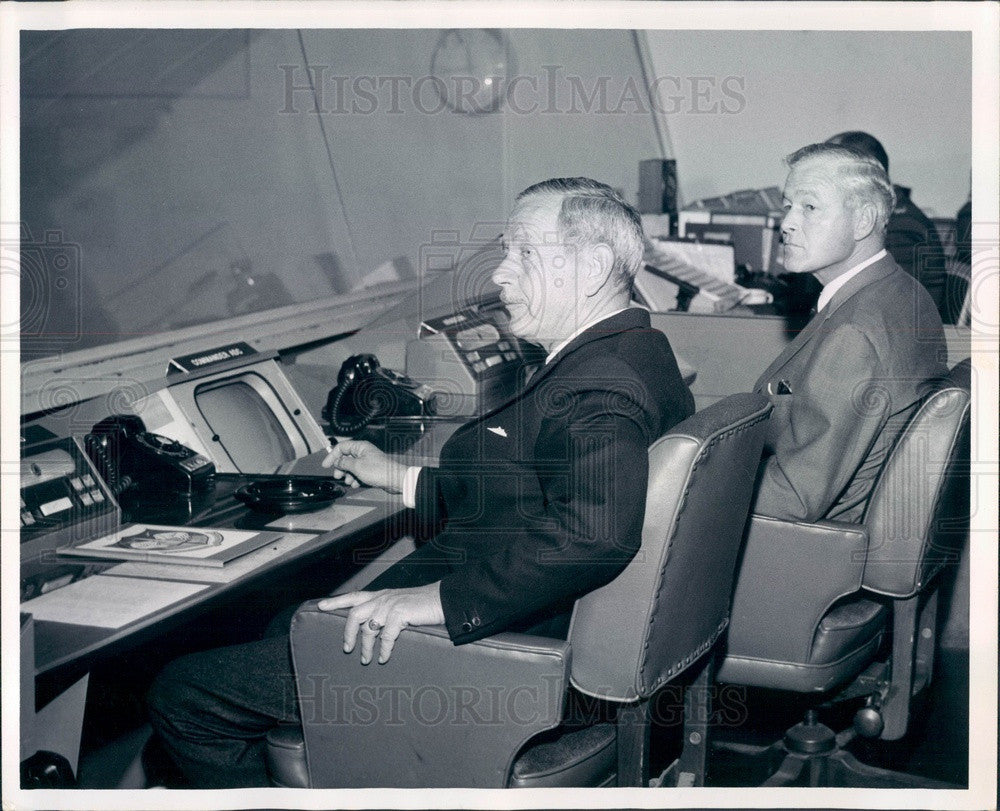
x=396 y=434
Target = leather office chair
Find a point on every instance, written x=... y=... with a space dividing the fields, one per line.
x=813 y=602
x=441 y=715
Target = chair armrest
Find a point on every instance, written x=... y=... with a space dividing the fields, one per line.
x=435 y=715
x=789 y=575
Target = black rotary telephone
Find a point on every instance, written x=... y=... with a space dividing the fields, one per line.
x=366 y=391
x=127 y=456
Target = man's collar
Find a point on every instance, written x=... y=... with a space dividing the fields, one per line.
x=578 y=332
x=830 y=289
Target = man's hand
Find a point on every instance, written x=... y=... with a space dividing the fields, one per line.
x=355 y=461
x=384 y=614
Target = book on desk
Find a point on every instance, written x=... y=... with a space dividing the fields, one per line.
x=192 y=546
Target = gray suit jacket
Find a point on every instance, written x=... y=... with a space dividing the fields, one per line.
x=843 y=390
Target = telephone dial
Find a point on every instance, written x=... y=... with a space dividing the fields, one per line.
x=366 y=391
x=129 y=457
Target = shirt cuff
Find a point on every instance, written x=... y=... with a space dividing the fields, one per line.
x=410 y=486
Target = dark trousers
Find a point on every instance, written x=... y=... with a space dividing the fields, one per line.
x=212 y=710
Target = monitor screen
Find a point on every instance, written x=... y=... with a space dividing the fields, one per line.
x=246 y=418
x=246 y=425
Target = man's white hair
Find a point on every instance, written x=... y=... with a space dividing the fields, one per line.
x=593 y=213
x=860 y=176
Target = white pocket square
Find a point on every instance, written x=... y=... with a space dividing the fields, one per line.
x=498 y=431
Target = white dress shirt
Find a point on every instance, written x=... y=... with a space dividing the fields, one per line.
x=830 y=289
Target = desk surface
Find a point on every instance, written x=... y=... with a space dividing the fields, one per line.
x=59 y=645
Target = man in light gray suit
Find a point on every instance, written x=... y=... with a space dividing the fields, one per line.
x=845 y=386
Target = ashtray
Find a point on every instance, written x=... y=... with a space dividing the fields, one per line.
x=290 y=494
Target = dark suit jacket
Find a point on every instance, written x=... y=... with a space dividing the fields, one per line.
x=913 y=241
x=543 y=499
x=843 y=390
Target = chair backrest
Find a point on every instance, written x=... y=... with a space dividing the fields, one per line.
x=672 y=601
x=917 y=514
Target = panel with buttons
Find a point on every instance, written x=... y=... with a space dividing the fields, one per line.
x=63 y=499
x=467 y=357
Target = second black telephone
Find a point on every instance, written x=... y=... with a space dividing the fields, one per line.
x=366 y=391
x=128 y=456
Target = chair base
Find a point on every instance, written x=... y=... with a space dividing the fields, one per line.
x=836 y=768
x=676 y=776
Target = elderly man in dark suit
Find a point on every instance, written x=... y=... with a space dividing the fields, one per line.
x=542 y=497
x=844 y=388
x=540 y=500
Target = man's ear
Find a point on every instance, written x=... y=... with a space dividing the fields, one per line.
x=865 y=221
x=598 y=268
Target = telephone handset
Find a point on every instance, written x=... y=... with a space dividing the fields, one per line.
x=127 y=456
x=366 y=391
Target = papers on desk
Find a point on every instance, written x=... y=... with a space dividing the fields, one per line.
x=325 y=520
x=706 y=266
x=108 y=602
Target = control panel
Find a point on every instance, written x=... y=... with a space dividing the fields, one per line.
x=465 y=358
x=63 y=500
